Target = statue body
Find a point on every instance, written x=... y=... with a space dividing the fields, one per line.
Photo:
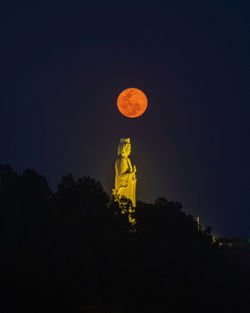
x=125 y=179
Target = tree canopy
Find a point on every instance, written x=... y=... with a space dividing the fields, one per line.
x=73 y=250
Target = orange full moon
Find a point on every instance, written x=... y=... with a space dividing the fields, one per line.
x=132 y=102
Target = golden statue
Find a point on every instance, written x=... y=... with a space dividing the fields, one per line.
x=125 y=179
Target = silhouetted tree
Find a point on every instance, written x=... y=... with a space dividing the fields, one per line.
x=76 y=248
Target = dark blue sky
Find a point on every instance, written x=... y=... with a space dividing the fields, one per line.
x=63 y=66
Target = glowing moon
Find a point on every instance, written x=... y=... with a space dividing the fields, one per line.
x=132 y=102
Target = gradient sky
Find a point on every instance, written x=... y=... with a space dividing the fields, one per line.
x=63 y=66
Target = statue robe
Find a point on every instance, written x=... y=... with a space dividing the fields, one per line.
x=125 y=181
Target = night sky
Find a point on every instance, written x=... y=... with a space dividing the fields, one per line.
x=63 y=66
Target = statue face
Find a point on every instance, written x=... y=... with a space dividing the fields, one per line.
x=124 y=149
x=128 y=149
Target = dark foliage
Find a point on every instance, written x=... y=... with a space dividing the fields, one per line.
x=72 y=251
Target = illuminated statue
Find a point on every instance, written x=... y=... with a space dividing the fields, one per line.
x=125 y=180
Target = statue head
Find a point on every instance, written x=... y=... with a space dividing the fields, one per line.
x=124 y=147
